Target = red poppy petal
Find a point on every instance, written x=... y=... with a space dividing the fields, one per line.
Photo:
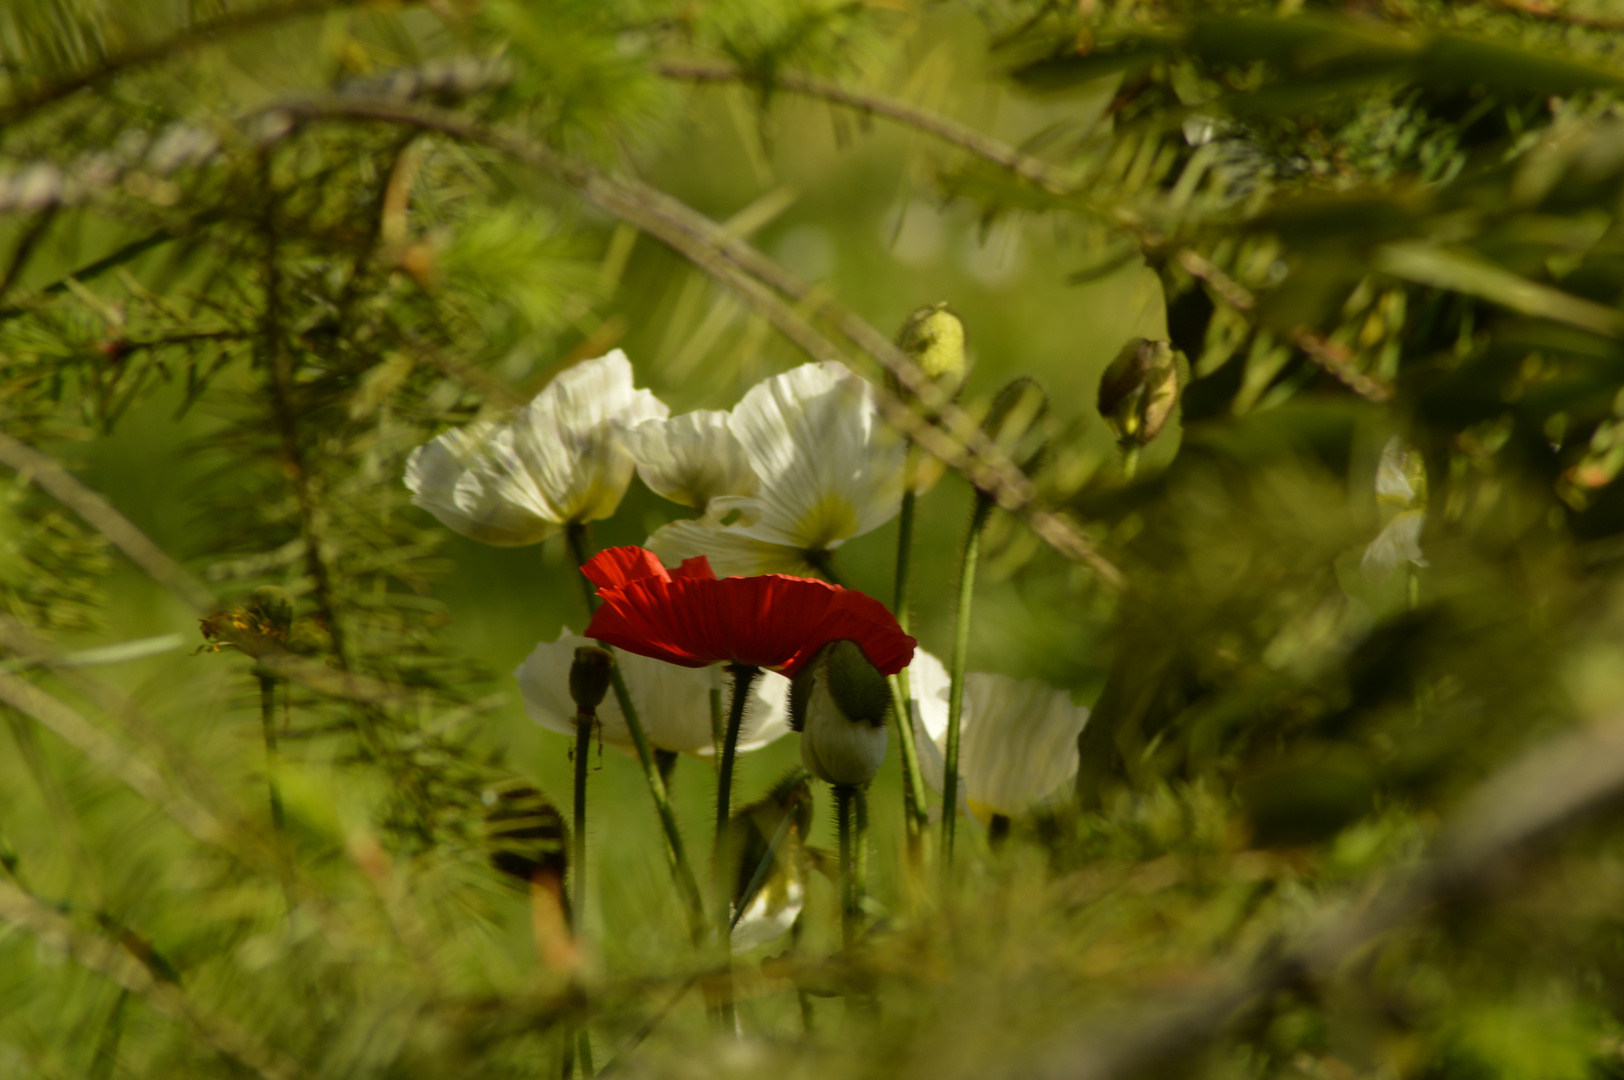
x=773 y=621
x=637 y=618
x=620 y=565
x=698 y=568
x=853 y=616
x=773 y=616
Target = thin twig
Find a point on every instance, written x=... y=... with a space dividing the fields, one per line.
x=945 y=128
x=1548 y=790
x=1333 y=358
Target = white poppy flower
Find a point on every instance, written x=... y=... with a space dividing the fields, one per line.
x=559 y=460
x=827 y=467
x=672 y=702
x=1399 y=475
x=770 y=913
x=1017 y=737
x=691 y=459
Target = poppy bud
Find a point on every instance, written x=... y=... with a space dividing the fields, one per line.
x=934 y=338
x=1140 y=389
x=839 y=703
x=590 y=675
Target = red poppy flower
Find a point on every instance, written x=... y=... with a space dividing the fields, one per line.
x=691 y=617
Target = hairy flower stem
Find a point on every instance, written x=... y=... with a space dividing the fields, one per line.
x=845 y=797
x=267 y=720
x=743 y=676
x=961 y=649
x=584 y=723
x=687 y=884
x=583 y=748
x=913 y=786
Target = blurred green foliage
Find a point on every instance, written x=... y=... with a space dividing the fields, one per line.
x=1359 y=222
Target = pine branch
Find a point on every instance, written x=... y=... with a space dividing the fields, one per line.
x=196 y=36
x=109 y=958
x=1542 y=795
x=100 y=515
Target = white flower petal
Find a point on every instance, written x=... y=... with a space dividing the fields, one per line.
x=673 y=702
x=570 y=436
x=472 y=480
x=1019 y=741
x=691 y=459
x=1397 y=544
x=770 y=914
x=929 y=683
x=828 y=467
x=732 y=553
x=559 y=459
x=1017 y=737
x=1392 y=485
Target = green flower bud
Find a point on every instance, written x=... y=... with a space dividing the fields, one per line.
x=934 y=337
x=590 y=676
x=839 y=703
x=1140 y=390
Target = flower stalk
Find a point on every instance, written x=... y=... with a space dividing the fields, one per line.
x=743 y=676
x=267 y=720
x=575 y=535
x=914 y=811
x=846 y=796
x=961 y=651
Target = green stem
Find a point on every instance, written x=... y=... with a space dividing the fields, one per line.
x=584 y=1040
x=961 y=650
x=845 y=795
x=914 y=811
x=860 y=884
x=675 y=853
x=998 y=830
x=267 y=721
x=1130 y=461
x=716 y=725
x=743 y=676
x=583 y=749
x=824 y=564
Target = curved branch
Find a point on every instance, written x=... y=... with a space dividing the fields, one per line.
x=958 y=442
x=945 y=128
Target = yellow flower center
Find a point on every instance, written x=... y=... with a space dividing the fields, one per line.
x=830 y=519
